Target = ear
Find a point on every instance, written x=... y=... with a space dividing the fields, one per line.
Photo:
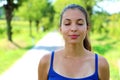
x=60 y=30
x=88 y=28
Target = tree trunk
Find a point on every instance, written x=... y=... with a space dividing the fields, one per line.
x=9 y=30
x=37 y=25
x=8 y=12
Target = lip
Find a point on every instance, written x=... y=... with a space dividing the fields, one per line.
x=74 y=36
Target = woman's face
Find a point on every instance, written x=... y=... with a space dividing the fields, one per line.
x=73 y=26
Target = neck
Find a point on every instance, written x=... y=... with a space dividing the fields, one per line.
x=74 y=50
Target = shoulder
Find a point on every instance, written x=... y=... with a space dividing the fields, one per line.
x=103 y=68
x=44 y=61
x=103 y=63
x=43 y=67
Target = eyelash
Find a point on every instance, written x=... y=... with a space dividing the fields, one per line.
x=67 y=24
x=80 y=23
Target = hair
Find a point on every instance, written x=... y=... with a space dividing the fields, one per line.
x=86 y=42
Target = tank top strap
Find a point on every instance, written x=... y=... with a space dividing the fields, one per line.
x=96 y=63
x=52 y=58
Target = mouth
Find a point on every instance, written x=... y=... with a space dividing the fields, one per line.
x=74 y=36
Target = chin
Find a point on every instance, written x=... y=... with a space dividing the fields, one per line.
x=74 y=42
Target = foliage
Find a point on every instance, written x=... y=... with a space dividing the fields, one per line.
x=34 y=9
x=113 y=25
x=104 y=23
x=109 y=48
x=99 y=22
x=37 y=10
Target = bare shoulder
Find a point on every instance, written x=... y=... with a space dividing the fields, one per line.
x=103 y=63
x=45 y=59
x=43 y=67
x=103 y=68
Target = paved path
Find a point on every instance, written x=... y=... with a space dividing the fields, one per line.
x=26 y=67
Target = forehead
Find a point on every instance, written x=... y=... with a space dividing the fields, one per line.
x=73 y=14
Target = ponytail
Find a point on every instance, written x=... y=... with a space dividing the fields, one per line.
x=86 y=43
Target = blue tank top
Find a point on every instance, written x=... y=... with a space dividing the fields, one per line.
x=52 y=75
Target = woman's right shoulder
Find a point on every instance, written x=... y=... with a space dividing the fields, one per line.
x=45 y=59
x=43 y=67
x=44 y=63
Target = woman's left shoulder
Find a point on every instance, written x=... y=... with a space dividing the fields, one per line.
x=103 y=63
x=103 y=68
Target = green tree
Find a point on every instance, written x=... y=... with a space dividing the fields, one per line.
x=9 y=9
x=99 y=22
x=26 y=12
x=36 y=11
x=42 y=9
x=113 y=25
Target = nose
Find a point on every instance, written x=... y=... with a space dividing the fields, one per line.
x=73 y=28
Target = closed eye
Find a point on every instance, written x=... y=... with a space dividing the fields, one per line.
x=80 y=22
x=67 y=22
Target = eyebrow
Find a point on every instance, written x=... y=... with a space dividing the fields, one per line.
x=77 y=19
x=68 y=19
x=80 y=20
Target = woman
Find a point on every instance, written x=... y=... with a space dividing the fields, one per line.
x=75 y=61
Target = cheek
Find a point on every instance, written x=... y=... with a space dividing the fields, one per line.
x=83 y=31
x=64 y=33
x=64 y=30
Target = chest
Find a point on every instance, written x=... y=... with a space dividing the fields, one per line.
x=75 y=68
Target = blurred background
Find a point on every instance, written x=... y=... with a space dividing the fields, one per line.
x=25 y=22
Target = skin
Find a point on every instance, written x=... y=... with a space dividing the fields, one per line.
x=73 y=30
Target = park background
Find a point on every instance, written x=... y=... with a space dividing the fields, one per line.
x=25 y=22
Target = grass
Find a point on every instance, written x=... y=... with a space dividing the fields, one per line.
x=108 y=47
x=10 y=52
